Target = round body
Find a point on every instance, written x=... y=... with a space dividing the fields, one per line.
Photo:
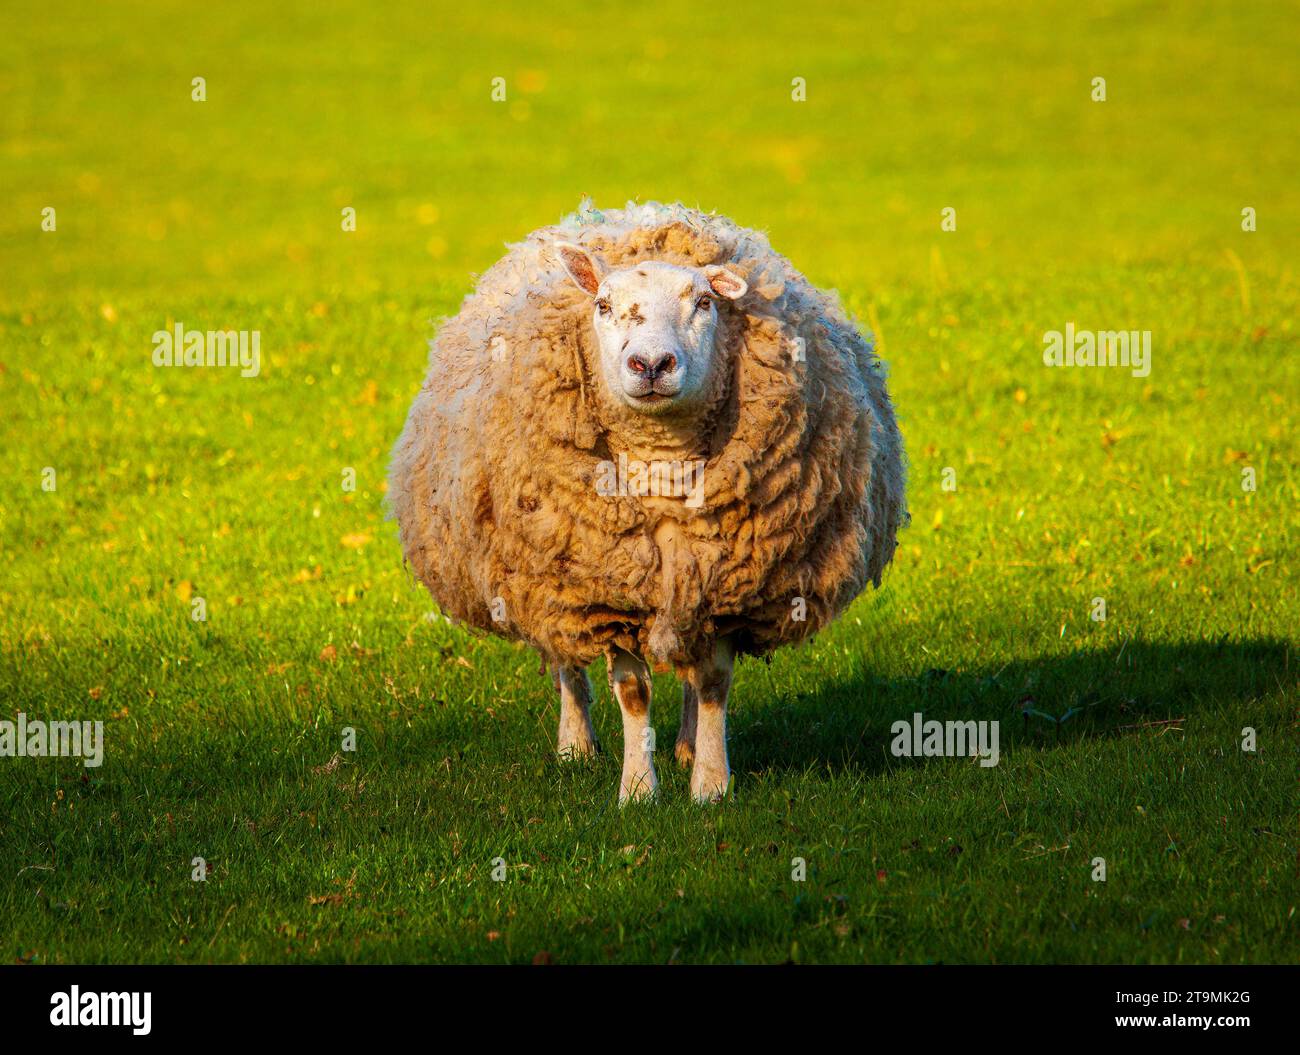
x=538 y=500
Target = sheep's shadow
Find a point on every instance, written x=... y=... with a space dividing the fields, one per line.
x=846 y=724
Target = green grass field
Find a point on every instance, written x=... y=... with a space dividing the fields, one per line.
x=222 y=737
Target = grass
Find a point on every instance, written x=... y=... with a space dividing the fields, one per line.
x=223 y=737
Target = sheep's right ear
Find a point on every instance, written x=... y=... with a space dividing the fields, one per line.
x=580 y=266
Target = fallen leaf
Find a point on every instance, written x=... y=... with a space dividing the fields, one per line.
x=335 y=761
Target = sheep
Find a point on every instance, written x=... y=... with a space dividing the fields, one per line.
x=645 y=436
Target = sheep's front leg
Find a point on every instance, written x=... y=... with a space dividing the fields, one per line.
x=629 y=680
x=576 y=738
x=685 y=749
x=711 y=681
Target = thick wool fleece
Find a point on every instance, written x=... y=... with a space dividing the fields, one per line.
x=494 y=478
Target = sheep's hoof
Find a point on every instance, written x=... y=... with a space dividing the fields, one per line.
x=707 y=789
x=644 y=788
x=684 y=752
x=578 y=750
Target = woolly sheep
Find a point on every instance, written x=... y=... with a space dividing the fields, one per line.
x=646 y=436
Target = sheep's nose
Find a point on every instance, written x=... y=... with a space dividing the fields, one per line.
x=651 y=366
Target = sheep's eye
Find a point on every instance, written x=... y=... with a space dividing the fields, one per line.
x=703 y=303
x=602 y=306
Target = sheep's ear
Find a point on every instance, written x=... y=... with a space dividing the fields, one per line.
x=725 y=282
x=580 y=266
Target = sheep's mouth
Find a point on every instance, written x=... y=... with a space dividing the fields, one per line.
x=652 y=400
x=658 y=389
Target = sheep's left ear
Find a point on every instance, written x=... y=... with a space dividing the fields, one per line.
x=580 y=266
x=725 y=282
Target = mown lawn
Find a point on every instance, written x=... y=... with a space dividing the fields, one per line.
x=223 y=737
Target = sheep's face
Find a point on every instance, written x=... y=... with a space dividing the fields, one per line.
x=655 y=325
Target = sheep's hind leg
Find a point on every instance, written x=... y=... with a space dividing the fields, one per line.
x=629 y=681
x=711 y=682
x=576 y=738
x=685 y=748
